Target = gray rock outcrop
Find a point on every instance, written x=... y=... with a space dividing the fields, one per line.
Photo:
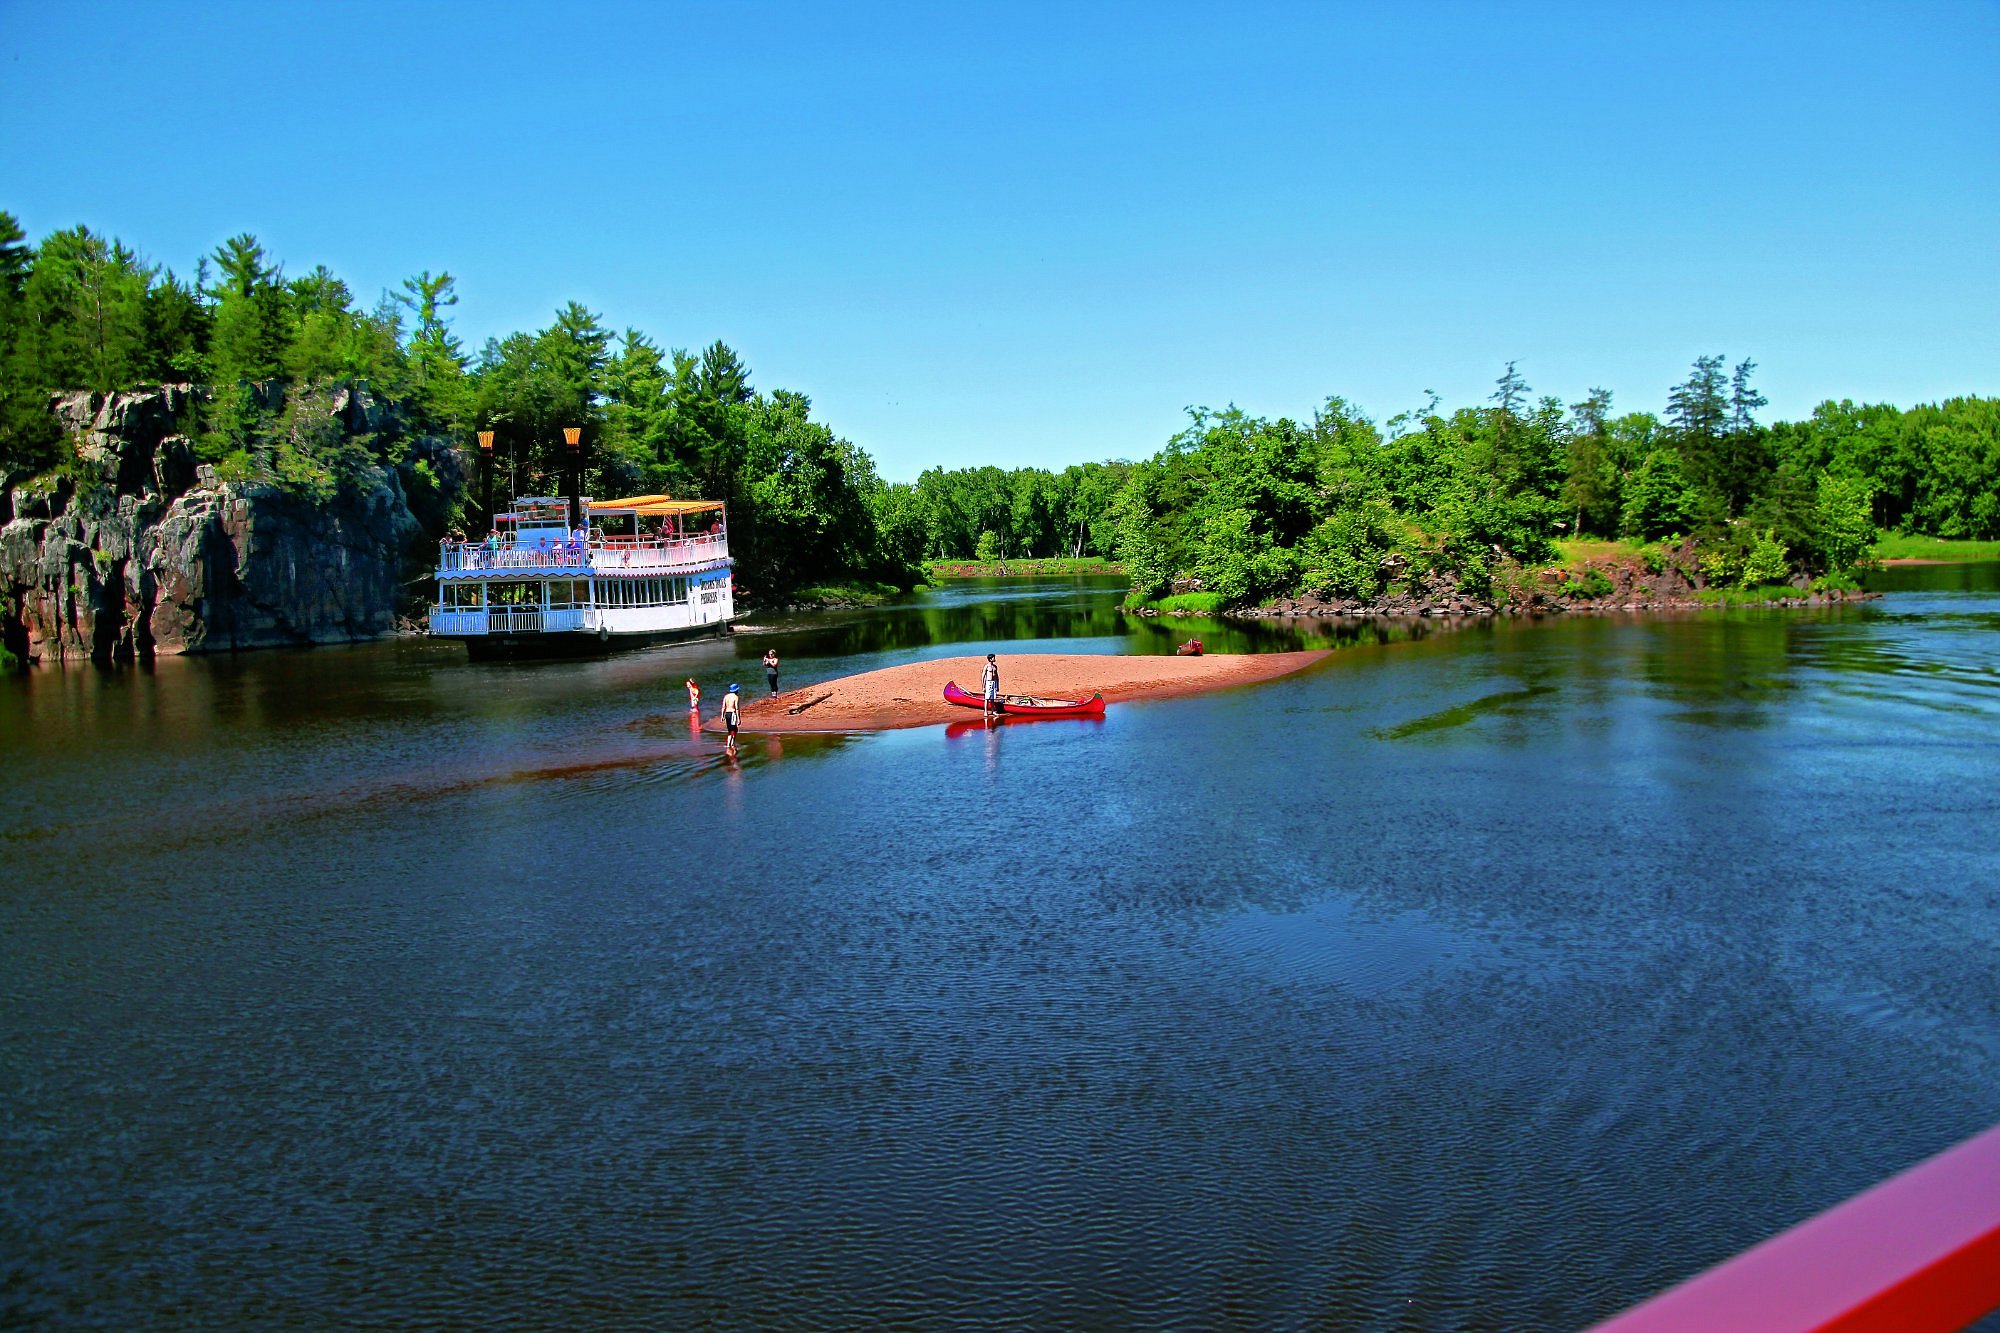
x=139 y=549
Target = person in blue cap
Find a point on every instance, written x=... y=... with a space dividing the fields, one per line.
x=732 y=710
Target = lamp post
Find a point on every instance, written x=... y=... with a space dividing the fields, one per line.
x=573 y=437
x=486 y=473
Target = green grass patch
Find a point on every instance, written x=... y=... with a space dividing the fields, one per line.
x=993 y=569
x=1195 y=603
x=845 y=594
x=1911 y=546
x=1576 y=550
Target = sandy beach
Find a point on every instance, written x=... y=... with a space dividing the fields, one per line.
x=913 y=695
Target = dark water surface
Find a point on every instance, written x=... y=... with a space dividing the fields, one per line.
x=1479 y=978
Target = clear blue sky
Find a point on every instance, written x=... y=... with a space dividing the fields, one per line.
x=1033 y=234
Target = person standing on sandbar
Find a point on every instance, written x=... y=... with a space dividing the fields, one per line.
x=771 y=667
x=990 y=677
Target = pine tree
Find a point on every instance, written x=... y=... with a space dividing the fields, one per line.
x=25 y=431
x=638 y=415
x=1697 y=409
x=1743 y=400
x=723 y=374
x=437 y=358
x=1698 y=414
x=247 y=339
x=1510 y=392
x=176 y=332
x=83 y=319
x=1590 y=486
x=1743 y=460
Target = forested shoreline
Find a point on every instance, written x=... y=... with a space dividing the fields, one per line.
x=1242 y=509
x=1236 y=509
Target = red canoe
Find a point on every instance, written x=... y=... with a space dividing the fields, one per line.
x=1029 y=705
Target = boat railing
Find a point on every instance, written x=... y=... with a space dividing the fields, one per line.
x=454 y=557
x=1918 y=1253
x=555 y=619
x=611 y=553
x=657 y=553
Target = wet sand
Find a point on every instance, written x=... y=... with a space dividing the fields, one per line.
x=913 y=695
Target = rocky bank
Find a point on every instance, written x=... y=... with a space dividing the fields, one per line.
x=137 y=548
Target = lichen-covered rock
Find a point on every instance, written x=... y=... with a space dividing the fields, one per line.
x=141 y=549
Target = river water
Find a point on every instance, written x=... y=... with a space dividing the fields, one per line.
x=1492 y=977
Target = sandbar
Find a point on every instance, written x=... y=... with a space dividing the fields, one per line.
x=912 y=695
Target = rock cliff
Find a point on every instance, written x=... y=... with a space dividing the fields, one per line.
x=138 y=549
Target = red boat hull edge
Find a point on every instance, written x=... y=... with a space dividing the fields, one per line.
x=1022 y=705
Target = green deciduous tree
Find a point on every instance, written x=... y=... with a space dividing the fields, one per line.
x=1766 y=562
x=1843 y=521
x=1659 y=499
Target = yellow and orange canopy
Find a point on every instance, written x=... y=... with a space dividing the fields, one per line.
x=652 y=506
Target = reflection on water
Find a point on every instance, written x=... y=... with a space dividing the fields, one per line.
x=1978 y=576
x=1488 y=975
x=1460 y=714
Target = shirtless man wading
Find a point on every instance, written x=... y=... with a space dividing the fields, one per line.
x=991 y=677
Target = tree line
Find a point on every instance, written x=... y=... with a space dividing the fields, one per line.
x=83 y=311
x=1249 y=507
x=1336 y=506
x=987 y=514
